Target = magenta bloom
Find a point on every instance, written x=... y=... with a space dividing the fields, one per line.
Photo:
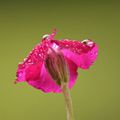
x=76 y=53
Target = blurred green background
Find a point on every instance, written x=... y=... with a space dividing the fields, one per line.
x=96 y=94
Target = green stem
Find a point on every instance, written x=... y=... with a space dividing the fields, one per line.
x=68 y=101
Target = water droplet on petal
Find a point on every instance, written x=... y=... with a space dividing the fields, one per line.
x=45 y=36
x=88 y=42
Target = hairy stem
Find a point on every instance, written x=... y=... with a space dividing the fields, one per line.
x=68 y=101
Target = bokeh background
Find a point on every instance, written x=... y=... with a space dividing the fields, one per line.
x=96 y=94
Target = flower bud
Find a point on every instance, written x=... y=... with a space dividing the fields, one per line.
x=57 y=67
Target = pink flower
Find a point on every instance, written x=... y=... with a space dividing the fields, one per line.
x=76 y=54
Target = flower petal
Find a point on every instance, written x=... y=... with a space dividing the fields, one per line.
x=82 y=54
x=44 y=82
x=36 y=56
x=33 y=71
x=72 y=72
